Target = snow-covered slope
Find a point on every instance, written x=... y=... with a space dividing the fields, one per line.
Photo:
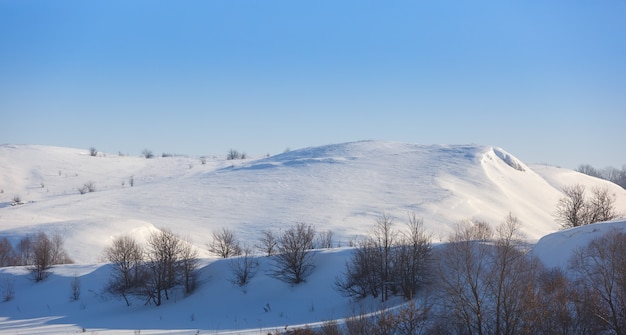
x=555 y=249
x=342 y=187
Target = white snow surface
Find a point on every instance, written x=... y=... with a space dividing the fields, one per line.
x=340 y=187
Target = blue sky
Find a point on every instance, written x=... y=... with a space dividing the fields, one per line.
x=545 y=80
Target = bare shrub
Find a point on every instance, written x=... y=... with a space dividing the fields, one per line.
x=83 y=189
x=224 y=243
x=359 y=324
x=75 y=288
x=147 y=153
x=294 y=260
x=330 y=327
x=267 y=242
x=8 y=290
x=91 y=186
x=243 y=267
x=325 y=239
x=412 y=318
x=234 y=154
x=17 y=200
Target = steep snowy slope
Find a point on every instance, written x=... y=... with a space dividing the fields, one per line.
x=342 y=187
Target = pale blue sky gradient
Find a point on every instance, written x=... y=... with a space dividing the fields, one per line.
x=545 y=80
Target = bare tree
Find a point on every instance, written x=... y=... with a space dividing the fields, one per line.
x=93 y=152
x=294 y=260
x=575 y=209
x=224 y=243
x=616 y=176
x=163 y=255
x=127 y=274
x=611 y=174
x=384 y=239
x=244 y=267
x=45 y=253
x=325 y=239
x=59 y=255
x=601 y=206
x=7 y=254
x=24 y=251
x=557 y=310
x=361 y=277
x=268 y=242
x=188 y=264
x=600 y=276
x=463 y=264
x=388 y=262
x=166 y=262
x=511 y=282
x=489 y=284
x=589 y=170
x=571 y=210
x=412 y=258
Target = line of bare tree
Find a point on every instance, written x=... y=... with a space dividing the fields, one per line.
x=389 y=262
x=39 y=252
x=151 y=271
x=610 y=173
x=291 y=252
x=486 y=282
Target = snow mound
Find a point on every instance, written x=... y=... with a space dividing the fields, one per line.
x=555 y=249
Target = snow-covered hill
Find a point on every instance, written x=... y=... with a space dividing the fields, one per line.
x=342 y=187
x=339 y=187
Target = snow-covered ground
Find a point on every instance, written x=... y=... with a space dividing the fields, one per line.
x=340 y=187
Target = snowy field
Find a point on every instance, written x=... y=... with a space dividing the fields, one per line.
x=341 y=187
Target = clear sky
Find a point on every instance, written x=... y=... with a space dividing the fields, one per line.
x=545 y=80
